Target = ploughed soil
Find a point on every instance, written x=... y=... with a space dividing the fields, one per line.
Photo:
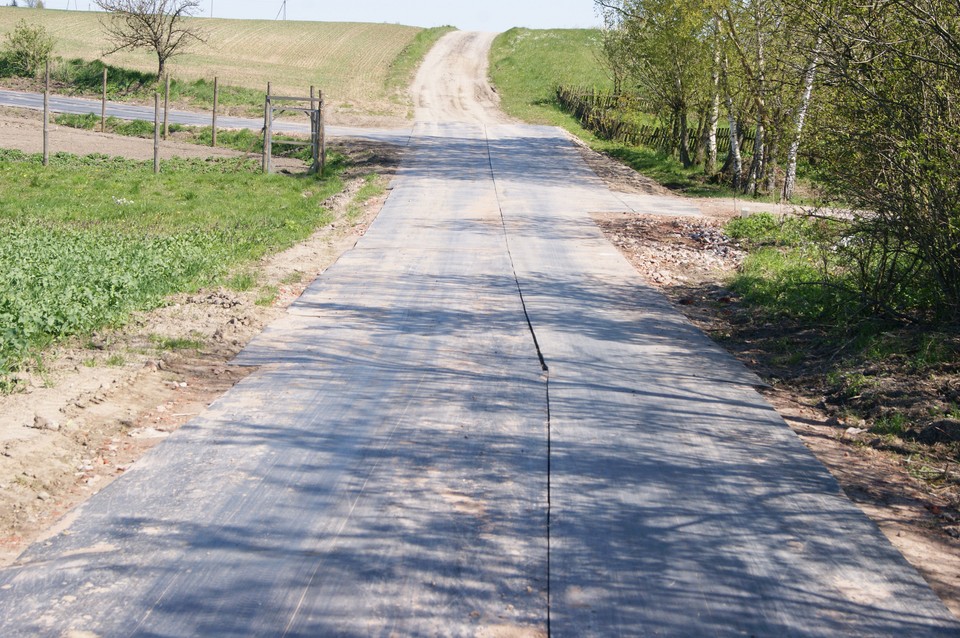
x=907 y=482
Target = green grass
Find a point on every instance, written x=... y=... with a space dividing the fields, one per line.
x=527 y=66
x=372 y=187
x=243 y=140
x=85 y=77
x=175 y=343
x=96 y=238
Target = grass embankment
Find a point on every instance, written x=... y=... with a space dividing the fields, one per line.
x=804 y=313
x=88 y=242
x=527 y=66
x=243 y=140
x=357 y=65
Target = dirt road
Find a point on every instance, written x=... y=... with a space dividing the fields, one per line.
x=480 y=421
x=452 y=84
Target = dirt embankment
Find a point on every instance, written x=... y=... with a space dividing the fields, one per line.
x=95 y=405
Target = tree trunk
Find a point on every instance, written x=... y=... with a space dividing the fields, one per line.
x=684 y=141
x=756 y=166
x=710 y=166
x=790 y=180
x=733 y=158
x=770 y=161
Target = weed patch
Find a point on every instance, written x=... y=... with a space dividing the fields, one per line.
x=85 y=244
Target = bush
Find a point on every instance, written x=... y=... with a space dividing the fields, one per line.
x=28 y=48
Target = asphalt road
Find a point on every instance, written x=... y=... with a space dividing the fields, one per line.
x=479 y=422
x=123 y=111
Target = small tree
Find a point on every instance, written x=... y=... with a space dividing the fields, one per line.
x=28 y=48
x=157 y=25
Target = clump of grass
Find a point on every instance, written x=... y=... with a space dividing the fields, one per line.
x=241 y=281
x=268 y=294
x=372 y=187
x=176 y=343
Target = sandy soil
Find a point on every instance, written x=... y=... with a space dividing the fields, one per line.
x=96 y=405
x=452 y=84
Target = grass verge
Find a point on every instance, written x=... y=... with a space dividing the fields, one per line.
x=243 y=140
x=896 y=382
x=90 y=240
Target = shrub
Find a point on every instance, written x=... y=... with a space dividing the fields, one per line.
x=28 y=48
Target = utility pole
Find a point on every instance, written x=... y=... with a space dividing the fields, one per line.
x=283 y=11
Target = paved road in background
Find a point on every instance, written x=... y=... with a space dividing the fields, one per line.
x=81 y=106
x=480 y=421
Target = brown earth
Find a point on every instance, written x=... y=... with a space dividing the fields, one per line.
x=92 y=407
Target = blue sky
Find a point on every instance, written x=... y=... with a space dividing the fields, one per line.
x=474 y=15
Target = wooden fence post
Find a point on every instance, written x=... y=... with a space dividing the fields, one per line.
x=216 y=98
x=314 y=132
x=46 y=115
x=166 y=109
x=323 y=136
x=156 y=133
x=267 y=133
x=103 y=103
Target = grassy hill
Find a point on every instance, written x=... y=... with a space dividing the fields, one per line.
x=362 y=68
x=527 y=65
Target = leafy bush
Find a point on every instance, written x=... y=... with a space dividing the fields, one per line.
x=28 y=47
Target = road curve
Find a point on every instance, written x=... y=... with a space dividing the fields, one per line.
x=479 y=422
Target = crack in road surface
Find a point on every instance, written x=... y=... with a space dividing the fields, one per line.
x=399 y=464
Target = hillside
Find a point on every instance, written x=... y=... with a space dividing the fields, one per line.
x=527 y=65
x=356 y=64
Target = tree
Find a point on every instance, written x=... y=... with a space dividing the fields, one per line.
x=28 y=48
x=157 y=25
x=667 y=43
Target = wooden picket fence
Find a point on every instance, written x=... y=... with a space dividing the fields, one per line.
x=608 y=115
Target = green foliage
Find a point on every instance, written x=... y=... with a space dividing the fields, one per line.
x=527 y=65
x=85 y=244
x=86 y=77
x=889 y=143
x=27 y=48
x=765 y=229
x=890 y=425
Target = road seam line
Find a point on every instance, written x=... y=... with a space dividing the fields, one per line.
x=543 y=366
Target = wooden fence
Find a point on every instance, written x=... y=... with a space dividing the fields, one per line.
x=609 y=116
